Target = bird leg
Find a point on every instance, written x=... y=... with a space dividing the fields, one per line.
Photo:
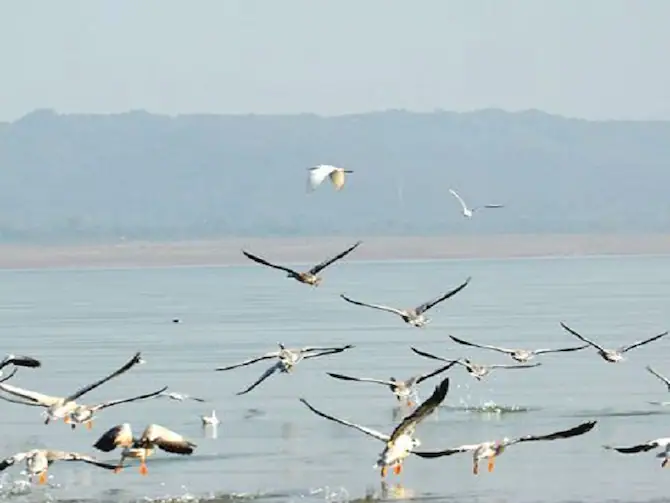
x=397 y=468
x=43 y=478
x=143 y=468
x=89 y=425
x=664 y=463
x=66 y=419
x=492 y=460
x=475 y=467
x=119 y=467
x=384 y=471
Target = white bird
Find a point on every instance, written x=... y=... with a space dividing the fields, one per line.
x=468 y=212
x=647 y=446
x=519 y=355
x=318 y=174
x=180 y=397
x=213 y=420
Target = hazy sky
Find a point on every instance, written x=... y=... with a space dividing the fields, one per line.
x=593 y=59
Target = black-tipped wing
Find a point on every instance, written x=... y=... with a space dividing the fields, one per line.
x=431 y=356
x=572 y=432
x=267 y=356
x=120 y=435
x=363 y=429
x=20 y=361
x=420 y=379
x=643 y=342
x=582 y=338
x=658 y=375
x=649 y=446
x=262 y=378
x=136 y=359
x=320 y=267
x=373 y=306
x=262 y=261
x=342 y=377
x=111 y=403
x=16 y=458
x=327 y=352
x=561 y=350
x=446 y=452
x=427 y=305
x=8 y=376
x=422 y=411
x=481 y=346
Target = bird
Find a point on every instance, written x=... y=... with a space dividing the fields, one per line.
x=401 y=442
x=38 y=461
x=61 y=407
x=664 y=443
x=403 y=390
x=490 y=450
x=20 y=361
x=318 y=174
x=180 y=397
x=307 y=277
x=412 y=316
x=467 y=212
x=613 y=355
x=286 y=360
x=478 y=371
x=213 y=420
x=519 y=355
x=141 y=448
x=662 y=378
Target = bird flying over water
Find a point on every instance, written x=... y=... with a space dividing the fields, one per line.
x=519 y=355
x=308 y=277
x=319 y=173
x=664 y=443
x=469 y=212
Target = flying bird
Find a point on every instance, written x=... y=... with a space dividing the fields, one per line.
x=403 y=390
x=490 y=450
x=38 y=461
x=412 y=316
x=476 y=370
x=664 y=443
x=612 y=355
x=401 y=442
x=62 y=407
x=319 y=173
x=180 y=397
x=308 y=277
x=287 y=359
x=467 y=212
x=519 y=355
x=141 y=448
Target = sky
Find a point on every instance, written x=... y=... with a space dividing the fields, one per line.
x=593 y=59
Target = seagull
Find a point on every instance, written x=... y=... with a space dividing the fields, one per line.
x=318 y=174
x=612 y=355
x=490 y=450
x=180 y=397
x=403 y=390
x=153 y=436
x=476 y=370
x=287 y=359
x=401 y=443
x=308 y=277
x=38 y=461
x=519 y=355
x=62 y=407
x=664 y=379
x=664 y=443
x=412 y=316
x=213 y=420
x=467 y=212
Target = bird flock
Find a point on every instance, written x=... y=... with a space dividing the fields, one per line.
x=398 y=445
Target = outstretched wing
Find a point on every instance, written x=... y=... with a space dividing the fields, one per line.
x=88 y=459
x=572 y=432
x=20 y=361
x=317 y=175
x=520 y=366
x=327 y=352
x=560 y=350
x=659 y=376
x=481 y=346
x=16 y=458
x=432 y=357
x=487 y=206
x=22 y=402
x=373 y=306
x=111 y=403
x=8 y=376
x=368 y=431
x=319 y=267
x=419 y=379
x=33 y=396
x=582 y=338
x=166 y=439
x=422 y=411
x=643 y=342
x=266 y=356
x=648 y=446
x=427 y=305
x=135 y=360
x=262 y=261
x=360 y=379
x=446 y=452
x=460 y=200
x=262 y=378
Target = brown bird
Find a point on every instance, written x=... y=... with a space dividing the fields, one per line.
x=141 y=448
x=308 y=277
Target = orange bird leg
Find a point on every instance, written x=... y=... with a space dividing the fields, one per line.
x=143 y=468
x=66 y=419
x=89 y=425
x=492 y=460
x=43 y=477
x=397 y=468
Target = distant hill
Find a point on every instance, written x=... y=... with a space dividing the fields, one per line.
x=143 y=176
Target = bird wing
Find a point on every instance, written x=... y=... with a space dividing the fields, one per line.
x=427 y=305
x=460 y=200
x=317 y=175
x=482 y=346
x=647 y=446
x=641 y=343
x=582 y=338
x=520 y=366
x=560 y=350
x=39 y=398
x=269 y=264
x=22 y=402
x=661 y=377
x=74 y=456
x=433 y=357
x=307 y=349
x=572 y=432
x=16 y=458
x=418 y=379
x=20 y=361
x=337 y=178
x=320 y=267
x=487 y=206
x=447 y=452
x=327 y=352
x=111 y=403
x=360 y=379
x=271 y=370
x=117 y=436
x=8 y=376
x=368 y=431
x=422 y=411
x=167 y=440
x=373 y=306
x=266 y=356
x=136 y=359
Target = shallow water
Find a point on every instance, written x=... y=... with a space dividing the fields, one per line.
x=271 y=448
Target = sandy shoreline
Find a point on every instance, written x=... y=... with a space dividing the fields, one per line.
x=227 y=251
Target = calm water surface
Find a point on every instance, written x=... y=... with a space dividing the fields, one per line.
x=84 y=323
